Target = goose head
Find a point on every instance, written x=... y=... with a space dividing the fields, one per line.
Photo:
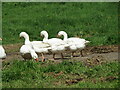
x=26 y=36
x=63 y=33
x=35 y=58
x=1 y=39
x=34 y=55
x=45 y=34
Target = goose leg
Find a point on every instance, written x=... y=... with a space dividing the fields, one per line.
x=62 y=56
x=25 y=60
x=43 y=58
x=81 y=53
x=54 y=56
x=72 y=54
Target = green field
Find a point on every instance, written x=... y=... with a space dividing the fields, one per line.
x=96 y=22
x=19 y=74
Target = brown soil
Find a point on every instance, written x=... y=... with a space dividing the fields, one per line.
x=95 y=54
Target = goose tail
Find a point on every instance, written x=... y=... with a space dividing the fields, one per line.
x=87 y=41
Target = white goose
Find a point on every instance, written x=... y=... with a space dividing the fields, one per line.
x=28 y=53
x=2 y=51
x=38 y=46
x=74 y=42
x=57 y=45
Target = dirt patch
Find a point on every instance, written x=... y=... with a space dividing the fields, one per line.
x=100 y=49
x=73 y=81
x=94 y=60
x=94 y=55
x=11 y=48
x=109 y=78
x=104 y=49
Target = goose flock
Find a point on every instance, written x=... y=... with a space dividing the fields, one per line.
x=34 y=49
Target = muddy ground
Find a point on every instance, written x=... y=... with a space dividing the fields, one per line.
x=94 y=53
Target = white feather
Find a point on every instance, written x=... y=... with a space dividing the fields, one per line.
x=73 y=42
x=27 y=52
x=57 y=45
x=2 y=52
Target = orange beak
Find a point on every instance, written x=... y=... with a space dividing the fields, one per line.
x=36 y=59
x=57 y=36
x=0 y=38
x=41 y=35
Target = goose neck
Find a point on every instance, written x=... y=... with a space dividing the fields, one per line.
x=65 y=36
x=27 y=40
x=45 y=37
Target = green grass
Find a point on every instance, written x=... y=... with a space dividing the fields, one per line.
x=21 y=74
x=97 y=22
